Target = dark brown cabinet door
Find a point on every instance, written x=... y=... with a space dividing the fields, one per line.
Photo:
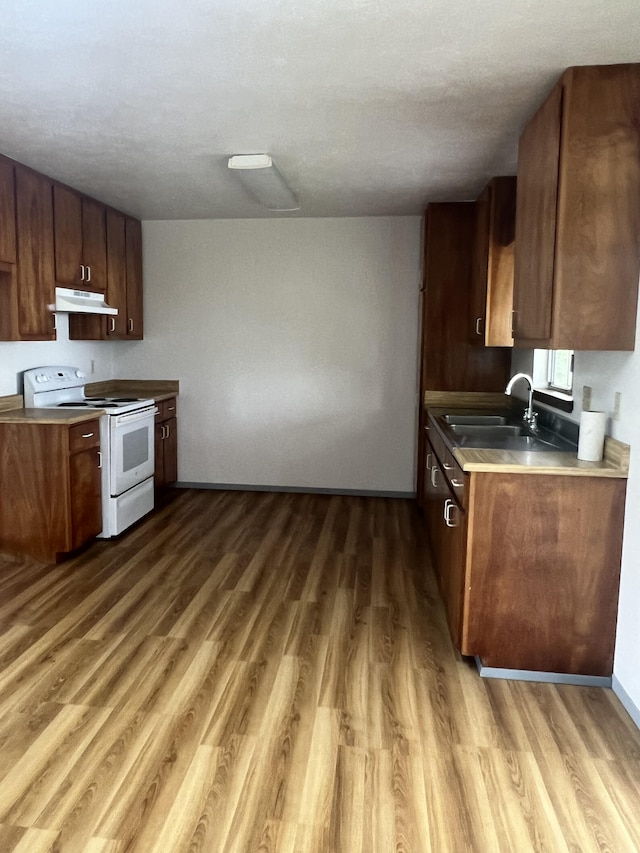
x=117 y=274
x=158 y=442
x=86 y=505
x=35 y=262
x=7 y=214
x=454 y=549
x=67 y=210
x=171 y=451
x=134 y=278
x=538 y=160
x=94 y=244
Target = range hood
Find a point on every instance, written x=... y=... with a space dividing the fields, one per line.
x=81 y=302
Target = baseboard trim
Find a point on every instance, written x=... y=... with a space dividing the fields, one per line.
x=627 y=702
x=535 y=675
x=305 y=490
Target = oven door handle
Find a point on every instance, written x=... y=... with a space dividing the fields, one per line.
x=132 y=417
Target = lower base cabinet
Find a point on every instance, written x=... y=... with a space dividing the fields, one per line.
x=166 y=444
x=528 y=566
x=51 y=488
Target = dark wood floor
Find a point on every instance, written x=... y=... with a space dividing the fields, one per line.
x=272 y=672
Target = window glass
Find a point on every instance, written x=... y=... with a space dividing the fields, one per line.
x=560 y=370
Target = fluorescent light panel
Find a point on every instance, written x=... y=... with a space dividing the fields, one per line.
x=260 y=177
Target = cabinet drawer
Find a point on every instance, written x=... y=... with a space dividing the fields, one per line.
x=84 y=435
x=167 y=409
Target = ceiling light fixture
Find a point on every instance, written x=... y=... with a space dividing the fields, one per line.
x=265 y=183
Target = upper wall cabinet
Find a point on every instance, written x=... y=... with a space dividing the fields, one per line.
x=577 y=258
x=124 y=286
x=449 y=361
x=51 y=234
x=80 y=240
x=492 y=290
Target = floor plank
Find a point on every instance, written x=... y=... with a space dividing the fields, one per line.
x=272 y=672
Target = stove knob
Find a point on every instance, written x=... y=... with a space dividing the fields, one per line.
x=80 y=374
x=40 y=377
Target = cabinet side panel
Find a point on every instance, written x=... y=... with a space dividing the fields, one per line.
x=543 y=572
x=538 y=157
x=7 y=214
x=598 y=231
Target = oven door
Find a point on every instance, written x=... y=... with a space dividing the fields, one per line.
x=131 y=449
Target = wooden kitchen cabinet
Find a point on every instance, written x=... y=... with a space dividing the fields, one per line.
x=493 y=258
x=123 y=287
x=449 y=361
x=51 y=495
x=577 y=258
x=35 y=273
x=529 y=570
x=80 y=240
x=166 y=444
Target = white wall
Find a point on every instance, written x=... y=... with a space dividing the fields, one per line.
x=295 y=342
x=606 y=373
x=16 y=356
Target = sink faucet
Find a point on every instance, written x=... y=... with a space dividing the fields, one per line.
x=530 y=417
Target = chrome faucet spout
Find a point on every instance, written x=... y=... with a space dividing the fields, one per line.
x=530 y=417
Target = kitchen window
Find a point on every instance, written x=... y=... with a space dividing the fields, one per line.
x=553 y=377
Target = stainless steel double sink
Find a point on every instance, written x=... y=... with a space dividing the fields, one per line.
x=499 y=432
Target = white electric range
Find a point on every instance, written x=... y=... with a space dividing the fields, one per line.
x=126 y=440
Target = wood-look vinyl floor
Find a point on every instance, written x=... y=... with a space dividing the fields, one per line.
x=272 y=672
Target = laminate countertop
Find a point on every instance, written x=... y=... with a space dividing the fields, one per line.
x=615 y=463
x=48 y=416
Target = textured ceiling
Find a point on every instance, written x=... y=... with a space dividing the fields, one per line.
x=369 y=107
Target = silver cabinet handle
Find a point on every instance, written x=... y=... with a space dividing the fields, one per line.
x=81 y=272
x=87 y=434
x=428 y=462
x=112 y=324
x=168 y=431
x=449 y=505
x=456 y=484
x=88 y=273
x=434 y=474
x=478 y=326
x=99 y=459
x=130 y=324
x=171 y=408
x=447 y=467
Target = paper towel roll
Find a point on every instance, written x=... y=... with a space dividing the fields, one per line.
x=591 y=437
